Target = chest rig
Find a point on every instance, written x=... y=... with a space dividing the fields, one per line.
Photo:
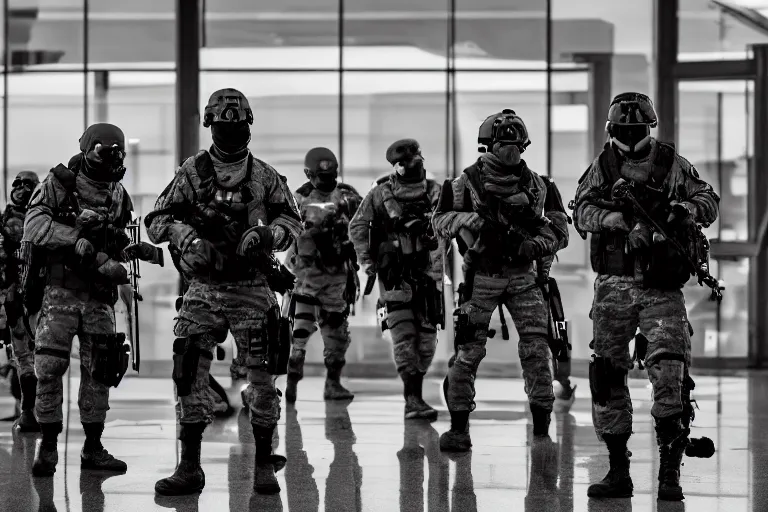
x=608 y=252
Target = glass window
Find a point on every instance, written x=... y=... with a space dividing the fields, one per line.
x=45 y=32
x=585 y=30
x=720 y=30
x=501 y=35
x=139 y=33
x=715 y=132
x=720 y=331
x=294 y=27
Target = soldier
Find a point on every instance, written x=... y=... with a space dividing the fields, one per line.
x=12 y=229
x=224 y=214
x=393 y=238
x=325 y=265
x=76 y=226
x=639 y=284
x=506 y=218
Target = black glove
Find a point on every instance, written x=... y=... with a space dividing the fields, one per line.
x=84 y=249
x=144 y=252
x=532 y=249
x=259 y=238
x=680 y=216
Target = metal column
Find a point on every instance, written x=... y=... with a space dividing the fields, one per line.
x=187 y=78
x=758 y=205
x=101 y=96
x=665 y=57
x=187 y=82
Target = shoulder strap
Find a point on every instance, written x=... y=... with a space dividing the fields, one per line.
x=305 y=189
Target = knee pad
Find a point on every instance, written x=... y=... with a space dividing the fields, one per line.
x=186 y=357
x=109 y=358
x=51 y=363
x=603 y=378
x=333 y=319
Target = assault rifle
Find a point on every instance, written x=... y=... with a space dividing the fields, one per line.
x=622 y=191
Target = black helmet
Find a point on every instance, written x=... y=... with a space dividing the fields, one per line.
x=506 y=126
x=227 y=106
x=632 y=108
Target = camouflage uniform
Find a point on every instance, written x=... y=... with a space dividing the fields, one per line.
x=414 y=335
x=630 y=293
x=78 y=299
x=496 y=281
x=218 y=204
x=323 y=271
x=21 y=344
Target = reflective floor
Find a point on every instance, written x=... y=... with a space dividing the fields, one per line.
x=362 y=456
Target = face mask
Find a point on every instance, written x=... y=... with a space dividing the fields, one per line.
x=325 y=181
x=411 y=171
x=21 y=193
x=105 y=163
x=632 y=138
x=231 y=137
x=509 y=154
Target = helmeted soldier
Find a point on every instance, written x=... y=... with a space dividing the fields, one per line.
x=224 y=214
x=506 y=218
x=74 y=235
x=22 y=346
x=325 y=265
x=639 y=282
x=393 y=239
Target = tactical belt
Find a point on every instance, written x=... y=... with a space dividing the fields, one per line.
x=63 y=277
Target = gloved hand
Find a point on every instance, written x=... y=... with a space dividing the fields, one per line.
x=89 y=219
x=201 y=257
x=615 y=221
x=682 y=214
x=144 y=252
x=258 y=238
x=532 y=249
x=85 y=250
x=111 y=269
x=639 y=237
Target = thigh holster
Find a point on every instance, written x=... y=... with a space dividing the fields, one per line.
x=603 y=378
x=109 y=358
x=186 y=357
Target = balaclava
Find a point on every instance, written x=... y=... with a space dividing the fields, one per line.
x=322 y=169
x=405 y=156
x=103 y=146
x=23 y=186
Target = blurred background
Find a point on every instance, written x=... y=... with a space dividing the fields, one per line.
x=356 y=75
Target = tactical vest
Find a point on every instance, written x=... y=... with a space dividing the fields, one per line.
x=608 y=253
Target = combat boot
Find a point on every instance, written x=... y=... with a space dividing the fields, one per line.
x=415 y=408
x=94 y=456
x=457 y=438
x=47 y=454
x=617 y=483
x=541 y=419
x=333 y=388
x=672 y=440
x=290 y=388
x=425 y=410
x=26 y=422
x=267 y=464
x=189 y=477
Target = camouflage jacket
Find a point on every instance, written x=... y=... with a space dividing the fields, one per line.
x=11 y=232
x=682 y=183
x=323 y=246
x=193 y=195
x=465 y=204
x=387 y=203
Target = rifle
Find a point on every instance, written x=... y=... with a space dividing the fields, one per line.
x=622 y=191
x=134 y=231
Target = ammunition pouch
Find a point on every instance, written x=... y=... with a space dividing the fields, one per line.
x=463 y=330
x=109 y=358
x=186 y=356
x=603 y=378
x=388 y=265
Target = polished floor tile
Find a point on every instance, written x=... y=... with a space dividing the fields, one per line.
x=362 y=456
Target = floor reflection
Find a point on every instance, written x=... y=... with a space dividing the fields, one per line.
x=302 y=492
x=345 y=476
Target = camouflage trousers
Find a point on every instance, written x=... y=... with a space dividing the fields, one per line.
x=23 y=349
x=64 y=314
x=414 y=338
x=320 y=304
x=207 y=313
x=518 y=292
x=621 y=306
